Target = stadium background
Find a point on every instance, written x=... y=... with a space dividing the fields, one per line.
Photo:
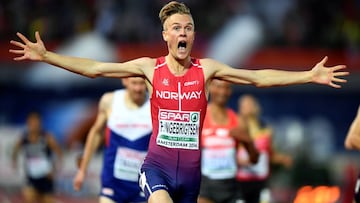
x=310 y=121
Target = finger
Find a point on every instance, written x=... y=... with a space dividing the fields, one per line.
x=22 y=37
x=37 y=37
x=335 y=85
x=339 y=67
x=16 y=43
x=323 y=61
x=20 y=58
x=339 y=80
x=15 y=51
x=336 y=74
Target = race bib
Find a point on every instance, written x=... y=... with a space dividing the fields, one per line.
x=179 y=129
x=219 y=163
x=38 y=167
x=127 y=164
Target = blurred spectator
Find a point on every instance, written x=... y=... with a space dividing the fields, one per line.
x=309 y=23
x=238 y=38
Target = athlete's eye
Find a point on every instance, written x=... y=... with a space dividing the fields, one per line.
x=189 y=28
x=177 y=28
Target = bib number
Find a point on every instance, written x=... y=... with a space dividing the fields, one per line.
x=219 y=163
x=127 y=164
x=38 y=167
x=179 y=129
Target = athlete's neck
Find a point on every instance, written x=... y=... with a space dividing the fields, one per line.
x=218 y=113
x=34 y=136
x=133 y=103
x=176 y=66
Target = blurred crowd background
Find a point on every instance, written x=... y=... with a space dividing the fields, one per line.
x=310 y=121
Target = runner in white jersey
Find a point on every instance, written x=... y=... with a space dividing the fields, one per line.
x=126 y=116
x=179 y=35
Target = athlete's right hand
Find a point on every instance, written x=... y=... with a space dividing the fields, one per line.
x=78 y=180
x=29 y=50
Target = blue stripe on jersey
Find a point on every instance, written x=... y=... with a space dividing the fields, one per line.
x=116 y=141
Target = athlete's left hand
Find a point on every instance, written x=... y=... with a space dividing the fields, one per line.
x=328 y=75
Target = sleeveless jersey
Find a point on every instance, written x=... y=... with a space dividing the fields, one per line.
x=38 y=161
x=128 y=133
x=218 y=159
x=260 y=170
x=178 y=107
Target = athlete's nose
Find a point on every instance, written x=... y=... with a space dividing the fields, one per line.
x=183 y=32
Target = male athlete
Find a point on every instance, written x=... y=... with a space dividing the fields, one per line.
x=39 y=147
x=352 y=142
x=219 y=146
x=177 y=84
x=126 y=115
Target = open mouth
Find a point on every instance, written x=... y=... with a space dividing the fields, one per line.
x=182 y=45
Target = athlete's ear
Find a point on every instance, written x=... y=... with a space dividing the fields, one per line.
x=124 y=81
x=164 y=35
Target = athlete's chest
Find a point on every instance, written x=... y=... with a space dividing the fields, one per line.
x=187 y=89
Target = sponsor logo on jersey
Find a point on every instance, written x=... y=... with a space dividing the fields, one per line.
x=189 y=83
x=165 y=82
x=178 y=116
x=176 y=96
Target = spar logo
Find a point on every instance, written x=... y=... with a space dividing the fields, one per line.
x=190 y=117
x=176 y=96
x=194 y=117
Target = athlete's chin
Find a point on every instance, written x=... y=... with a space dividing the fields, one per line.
x=182 y=56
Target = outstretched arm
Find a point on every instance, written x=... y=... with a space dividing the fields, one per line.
x=93 y=140
x=87 y=67
x=352 y=140
x=319 y=74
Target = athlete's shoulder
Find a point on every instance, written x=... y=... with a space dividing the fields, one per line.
x=267 y=131
x=106 y=100
x=160 y=62
x=145 y=62
x=108 y=95
x=210 y=63
x=232 y=113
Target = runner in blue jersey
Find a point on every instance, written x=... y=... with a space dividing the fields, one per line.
x=125 y=116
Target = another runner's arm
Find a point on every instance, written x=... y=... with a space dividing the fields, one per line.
x=241 y=134
x=54 y=146
x=87 y=67
x=15 y=152
x=277 y=157
x=352 y=140
x=268 y=77
x=93 y=140
x=280 y=158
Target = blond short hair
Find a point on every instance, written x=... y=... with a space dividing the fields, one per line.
x=172 y=8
